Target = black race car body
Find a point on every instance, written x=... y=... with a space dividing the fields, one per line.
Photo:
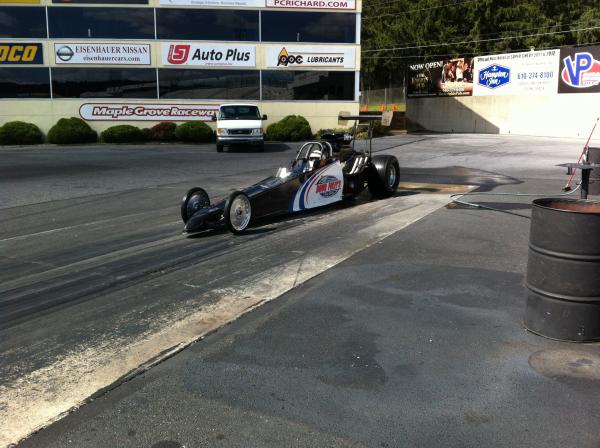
x=316 y=178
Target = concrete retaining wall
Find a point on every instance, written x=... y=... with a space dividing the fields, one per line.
x=568 y=115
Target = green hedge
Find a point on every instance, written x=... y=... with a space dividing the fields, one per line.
x=162 y=132
x=123 y=133
x=72 y=130
x=20 y=133
x=289 y=129
x=194 y=132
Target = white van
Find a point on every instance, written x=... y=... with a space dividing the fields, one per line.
x=240 y=124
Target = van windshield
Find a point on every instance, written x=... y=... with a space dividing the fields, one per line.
x=240 y=113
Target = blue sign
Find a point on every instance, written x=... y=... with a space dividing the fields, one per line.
x=494 y=76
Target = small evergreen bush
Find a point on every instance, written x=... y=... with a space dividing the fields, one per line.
x=290 y=129
x=123 y=133
x=194 y=132
x=72 y=130
x=20 y=133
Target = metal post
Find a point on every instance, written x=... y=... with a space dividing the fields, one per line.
x=585 y=182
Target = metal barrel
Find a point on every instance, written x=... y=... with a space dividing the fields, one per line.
x=563 y=270
x=594 y=157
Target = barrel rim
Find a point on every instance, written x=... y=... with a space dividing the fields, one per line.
x=539 y=203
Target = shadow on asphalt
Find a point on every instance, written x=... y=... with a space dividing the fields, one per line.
x=269 y=147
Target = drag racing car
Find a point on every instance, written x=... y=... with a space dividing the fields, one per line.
x=317 y=177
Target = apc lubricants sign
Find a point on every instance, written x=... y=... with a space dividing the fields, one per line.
x=209 y=55
x=311 y=57
x=21 y=53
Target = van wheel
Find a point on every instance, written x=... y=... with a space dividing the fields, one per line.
x=219 y=147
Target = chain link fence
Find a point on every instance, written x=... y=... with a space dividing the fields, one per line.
x=391 y=98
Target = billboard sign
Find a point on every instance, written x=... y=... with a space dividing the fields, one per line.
x=209 y=55
x=217 y=3
x=21 y=53
x=340 y=5
x=311 y=57
x=579 y=70
x=525 y=73
x=147 y=112
x=102 y=53
x=450 y=77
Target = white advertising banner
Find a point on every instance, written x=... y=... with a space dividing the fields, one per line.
x=219 y=3
x=313 y=4
x=147 y=112
x=527 y=73
x=102 y=53
x=209 y=55
x=292 y=56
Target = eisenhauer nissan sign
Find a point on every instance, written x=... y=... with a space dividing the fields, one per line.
x=102 y=53
x=209 y=55
x=292 y=56
x=147 y=112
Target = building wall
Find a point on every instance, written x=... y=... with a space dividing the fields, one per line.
x=45 y=112
x=553 y=116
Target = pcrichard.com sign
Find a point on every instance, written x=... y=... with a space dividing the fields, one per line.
x=313 y=4
x=102 y=53
x=526 y=73
x=147 y=112
x=579 y=70
x=208 y=55
x=293 y=56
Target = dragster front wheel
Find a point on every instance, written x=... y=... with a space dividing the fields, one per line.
x=238 y=212
x=194 y=200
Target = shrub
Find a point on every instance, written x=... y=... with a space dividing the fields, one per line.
x=72 y=130
x=379 y=130
x=194 y=132
x=162 y=132
x=289 y=129
x=320 y=132
x=20 y=133
x=123 y=133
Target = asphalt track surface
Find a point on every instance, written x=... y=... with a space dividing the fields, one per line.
x=415 y=340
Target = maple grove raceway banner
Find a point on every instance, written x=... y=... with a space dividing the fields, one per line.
x=579 y=70
x=209 y=55
x=526 y=73
x=293 y=56
x=102 y=53
x=147 y=112
x=449 y=77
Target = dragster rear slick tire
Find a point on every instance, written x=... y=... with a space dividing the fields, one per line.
x=384 y=176
x=194 y=200
x=238 y=212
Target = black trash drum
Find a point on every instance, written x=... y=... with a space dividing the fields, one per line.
x=563 y=270
x=594 y=157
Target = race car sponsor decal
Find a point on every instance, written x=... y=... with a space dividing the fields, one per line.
x=147 y=112
x=579 y=70
x=21 y=53
x=209 y=55
x=315 y=57
x=102 y=53
x=313 y=4
x=323 y=187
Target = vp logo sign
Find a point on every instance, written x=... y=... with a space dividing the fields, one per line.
x=581 y=71
x=494 y=76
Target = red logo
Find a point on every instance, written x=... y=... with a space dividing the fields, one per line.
x=178 y=54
